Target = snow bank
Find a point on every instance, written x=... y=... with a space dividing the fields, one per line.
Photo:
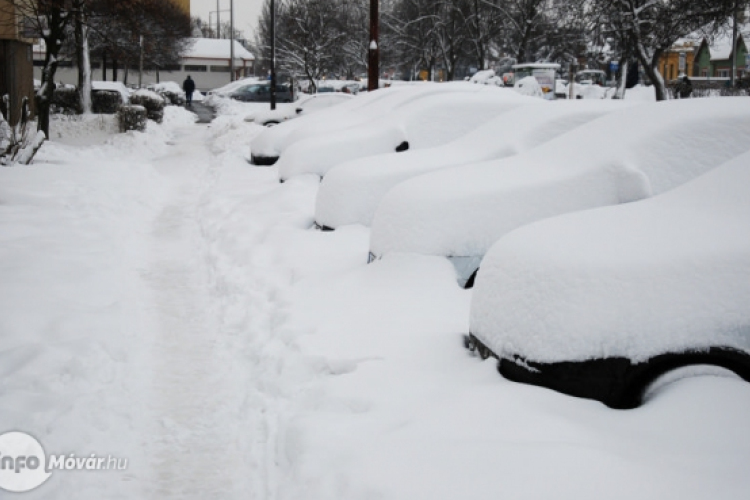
x=351 y=191
x=427 y=122
x=529 y=86
x=621 y=157
x=662 y=275
x=72 y=224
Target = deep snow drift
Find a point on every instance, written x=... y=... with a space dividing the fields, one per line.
x=166 y=302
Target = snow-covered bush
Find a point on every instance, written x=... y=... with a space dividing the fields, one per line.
x=132 y=117
x=66 y=100
x=170 y=91
x=106 y=101
x=152 y=102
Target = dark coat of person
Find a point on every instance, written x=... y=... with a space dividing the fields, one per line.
x=188 y=85
x=684 y=88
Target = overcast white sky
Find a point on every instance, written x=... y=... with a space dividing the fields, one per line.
x=246 y=13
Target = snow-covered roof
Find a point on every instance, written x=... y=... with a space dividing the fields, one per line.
x=216 y=48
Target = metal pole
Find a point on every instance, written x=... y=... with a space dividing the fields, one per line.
x=734 y=46
x=373 y=52
x=140 y=65
x=218 y=23
x=231 y=38
x=273 y=54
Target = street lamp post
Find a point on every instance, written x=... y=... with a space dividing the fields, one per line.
x=231 y=39
x=373 y=52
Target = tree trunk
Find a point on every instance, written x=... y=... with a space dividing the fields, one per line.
x=652 y=71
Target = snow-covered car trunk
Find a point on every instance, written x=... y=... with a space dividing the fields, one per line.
x=624 y=156
x=350 y=192
x=600 y=303
x=266 y=148
x=423 y=123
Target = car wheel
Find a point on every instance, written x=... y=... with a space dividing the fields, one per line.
x=271 y=124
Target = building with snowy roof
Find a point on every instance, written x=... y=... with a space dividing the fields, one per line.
x=714 y=59
x=207 y=61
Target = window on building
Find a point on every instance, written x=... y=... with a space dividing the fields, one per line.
x=172 y=67
x=197 y=68
x=722 y=73
x=219 y=69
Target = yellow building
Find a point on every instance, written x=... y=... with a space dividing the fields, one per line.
x=678 y=60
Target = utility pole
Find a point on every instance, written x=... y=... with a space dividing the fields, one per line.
x=734 y=46
x=231 y=39
x=140 y=64
x=218 y=21
x=373 y=52
x=273 y=54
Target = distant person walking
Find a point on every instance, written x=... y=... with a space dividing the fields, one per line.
x=684 y=88
x=189 y=87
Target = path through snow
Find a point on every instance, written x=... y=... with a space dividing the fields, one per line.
x=207 y=429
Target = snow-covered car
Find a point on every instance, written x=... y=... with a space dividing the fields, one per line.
x=227 y=89
x=261 y=92
x=624 y=156
x=351 y=191
x=305 y=106
x=422 y=123
x=601 y=303
x=267 y=146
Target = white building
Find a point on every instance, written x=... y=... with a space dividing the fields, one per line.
x=207 y=61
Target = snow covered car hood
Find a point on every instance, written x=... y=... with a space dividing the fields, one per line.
x=621 y=157
x=667 y=274
x=350 y=192
x=427 y=122
x=272 y=142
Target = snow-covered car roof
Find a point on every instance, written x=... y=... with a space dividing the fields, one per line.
x=305 y=105
x=366 y=108
x=666 y=275
x=351 y=191
x=623 y=156
x=422 y=123
x=227 y=89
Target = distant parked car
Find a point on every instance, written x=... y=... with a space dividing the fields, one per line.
x=351 y=191
x=600 y=304
x=426 y=122
x=267 y=147
x=261 y=92
x=621 y=157
x=303 y=107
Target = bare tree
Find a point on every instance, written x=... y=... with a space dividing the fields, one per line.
x=647 y=28
x=47 y=20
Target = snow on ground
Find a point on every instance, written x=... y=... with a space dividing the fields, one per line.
x=166 y=302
